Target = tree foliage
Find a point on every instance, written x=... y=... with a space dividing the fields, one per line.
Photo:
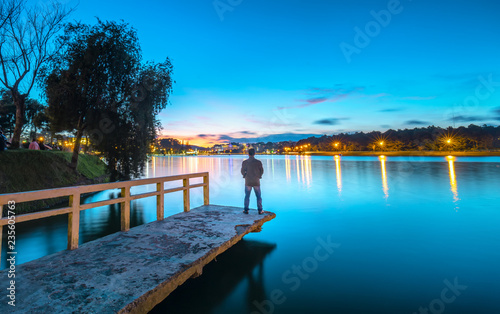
x=434 y=138
x=34 y=113
x=97 y=85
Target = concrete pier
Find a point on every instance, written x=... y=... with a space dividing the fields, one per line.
x=132 y=271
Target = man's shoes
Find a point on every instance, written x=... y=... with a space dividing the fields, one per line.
x=261 y=211
x=245 y=211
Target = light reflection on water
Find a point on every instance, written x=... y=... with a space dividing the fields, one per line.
x=453 y=178
x=385 y=186
x=338 y=173
x=396 y=218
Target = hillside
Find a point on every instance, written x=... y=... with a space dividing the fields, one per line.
x=29 y=170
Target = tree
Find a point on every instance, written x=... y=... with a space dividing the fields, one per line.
x=7 y=112
x=97 y=84
x=8 y=9
x=34 y=113
x=25 y=46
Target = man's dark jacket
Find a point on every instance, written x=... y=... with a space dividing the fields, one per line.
x=252 y=171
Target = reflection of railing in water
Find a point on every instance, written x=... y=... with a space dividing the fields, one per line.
x=75 y=205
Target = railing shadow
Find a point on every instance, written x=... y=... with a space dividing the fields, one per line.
x=245 y=260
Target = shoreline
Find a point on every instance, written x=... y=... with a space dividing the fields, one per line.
x=362 y=153
x=408 y=153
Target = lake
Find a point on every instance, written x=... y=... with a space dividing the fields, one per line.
x=352 y=235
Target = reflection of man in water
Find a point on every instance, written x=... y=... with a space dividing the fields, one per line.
x=252 y=171
x=256 y=291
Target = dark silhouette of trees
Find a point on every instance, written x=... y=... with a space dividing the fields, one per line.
x=471 y=138
x=25 y=46
x=34 y=113
x=98 y=85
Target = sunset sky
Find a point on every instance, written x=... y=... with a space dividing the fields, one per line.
x=252 y=70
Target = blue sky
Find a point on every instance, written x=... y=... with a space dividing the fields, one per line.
x=265 y=69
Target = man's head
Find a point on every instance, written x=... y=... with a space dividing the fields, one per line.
x=251 y=152
x=34 y=140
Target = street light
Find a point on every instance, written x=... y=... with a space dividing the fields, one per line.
x=448 y=141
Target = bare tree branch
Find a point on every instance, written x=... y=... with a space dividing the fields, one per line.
x=25 y=45
x=9 y=8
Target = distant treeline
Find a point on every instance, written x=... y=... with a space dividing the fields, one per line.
x=432 y=138
x=171 y=145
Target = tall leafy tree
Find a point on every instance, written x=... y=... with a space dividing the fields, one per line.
x=97 y=85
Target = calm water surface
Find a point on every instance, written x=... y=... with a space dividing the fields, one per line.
x=352 y=235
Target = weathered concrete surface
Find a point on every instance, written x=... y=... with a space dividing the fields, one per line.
x=130 y=272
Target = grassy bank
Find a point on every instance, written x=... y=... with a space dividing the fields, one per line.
x=28 y=170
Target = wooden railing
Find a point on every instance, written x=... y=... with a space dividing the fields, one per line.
x=74 y=208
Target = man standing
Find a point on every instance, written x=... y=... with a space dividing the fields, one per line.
x=252 y=171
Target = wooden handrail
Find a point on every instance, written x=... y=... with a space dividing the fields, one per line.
x=75 y=193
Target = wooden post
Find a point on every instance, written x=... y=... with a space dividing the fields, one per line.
x=74 y=221
x=1 y=231
x=206 y=195
x=185 y=184
x=125 y=209
x=160 y=203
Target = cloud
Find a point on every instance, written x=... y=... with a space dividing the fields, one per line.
x=212 y=139
x=316 y=100
x=391 y=110
x=331 y=121
x=496 y=111
x=417 y=122
x=380 y=95
x=321 y=95
x=468 y=118
x=419 y=97
x=274 y=138
x=277 y=122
